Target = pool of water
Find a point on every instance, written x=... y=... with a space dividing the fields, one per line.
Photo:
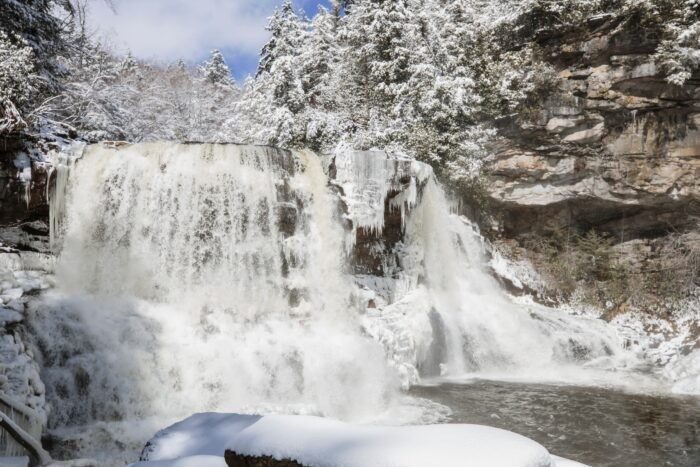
x=596 y=426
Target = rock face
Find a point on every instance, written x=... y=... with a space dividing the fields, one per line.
x=22 y=185
x=614 y=147
x=24 y=208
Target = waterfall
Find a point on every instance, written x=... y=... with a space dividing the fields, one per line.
x=204 y=277
x=454 y=320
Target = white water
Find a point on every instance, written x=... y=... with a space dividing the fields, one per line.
x=451 y=318
x=181 y=292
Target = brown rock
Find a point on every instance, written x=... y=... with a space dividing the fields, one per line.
x=237 y=460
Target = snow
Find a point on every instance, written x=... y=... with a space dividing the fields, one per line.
x=19 y=373
x=685 y=373
x=190 y=461
x=561 y=462
x=314 y=441
x=9 y=316
x=12 y=294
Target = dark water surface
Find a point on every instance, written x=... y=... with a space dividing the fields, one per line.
x=599 y=427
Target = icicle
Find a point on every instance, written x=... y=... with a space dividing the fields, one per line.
x=56 y=192
x=368 y=178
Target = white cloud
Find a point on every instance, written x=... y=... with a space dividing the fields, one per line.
x=189 y=29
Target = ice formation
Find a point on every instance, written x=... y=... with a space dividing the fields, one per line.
x=21 y=274
x=368 y=177
x=62 y=163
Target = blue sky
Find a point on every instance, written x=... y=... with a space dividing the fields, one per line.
x=167 y=30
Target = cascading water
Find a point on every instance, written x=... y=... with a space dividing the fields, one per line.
x=198 y=277
x=440 y=312
x=203 y=277
x=457 y=321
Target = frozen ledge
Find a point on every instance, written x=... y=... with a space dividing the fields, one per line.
x=284 y=440
x=369 y=178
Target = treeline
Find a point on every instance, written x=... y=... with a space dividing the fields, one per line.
x=425 y=78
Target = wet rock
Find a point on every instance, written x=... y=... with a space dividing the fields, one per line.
x=24 y=178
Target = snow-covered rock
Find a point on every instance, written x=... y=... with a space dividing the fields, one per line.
x=12 y=294
x=685 y=372
x=19 y=372
x=313 y=441
x=9 y=316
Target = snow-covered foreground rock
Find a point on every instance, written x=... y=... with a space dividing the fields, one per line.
x=202 y=439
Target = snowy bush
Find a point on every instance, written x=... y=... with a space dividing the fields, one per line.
x=680 y=57
x=17 y=67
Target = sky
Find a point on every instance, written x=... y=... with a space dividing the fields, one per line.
x=168 y=30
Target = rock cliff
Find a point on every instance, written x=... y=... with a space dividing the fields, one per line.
x=614 y=149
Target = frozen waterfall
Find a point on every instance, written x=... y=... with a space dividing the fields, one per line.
x=202 y=277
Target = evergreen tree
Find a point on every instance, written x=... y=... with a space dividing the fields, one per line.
x=34 y=21
x=128 y=64
x=278 y=87
x=380 y=36
x=17 y=68
x=17 y=79
x=216 y=71
x=321 y=58
x=679 y=53
x=285 y=28
x=31 y=40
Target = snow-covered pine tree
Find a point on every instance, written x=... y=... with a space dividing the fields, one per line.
x=278 y=87
x=380 y=36
x=320 y=57
x=17 y=78
x=216 y=71
x=128 y=65
x=679 y=53
x=285 y=29
x=441 y=101
x=34 y=21
x=31 y=40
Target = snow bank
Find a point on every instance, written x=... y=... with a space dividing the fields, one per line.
x=685 y=374
x=191 y=461
x=314 y=441
x=561 y=462
x=14 y=461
